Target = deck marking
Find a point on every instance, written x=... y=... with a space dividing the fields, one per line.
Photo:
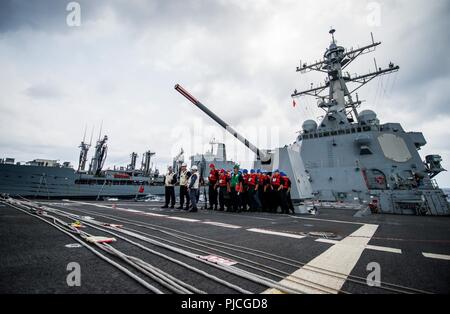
x=182 y=218
x=153 y=214
x=283 y=234
x=370 y=247
x=340 y=258
x=436 y=256
x=330 y=220
x=131 y=210
x=221 y=224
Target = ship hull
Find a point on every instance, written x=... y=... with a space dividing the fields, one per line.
x=55 y=182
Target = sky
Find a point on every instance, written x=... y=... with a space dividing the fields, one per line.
x=118 y=66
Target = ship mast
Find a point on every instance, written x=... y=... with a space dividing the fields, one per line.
x=132 y=165
x=338 y=103
x=145 y=164
x=99 y=158
x=84 y=148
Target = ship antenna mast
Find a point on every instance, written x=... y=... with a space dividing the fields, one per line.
x=338 y=102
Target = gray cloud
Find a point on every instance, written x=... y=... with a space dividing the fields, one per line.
x=43 y=91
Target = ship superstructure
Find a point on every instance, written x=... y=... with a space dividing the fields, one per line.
x=217 y=157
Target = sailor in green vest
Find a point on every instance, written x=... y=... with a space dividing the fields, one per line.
x=236 y=188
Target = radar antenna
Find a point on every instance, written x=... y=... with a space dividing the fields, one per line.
x=338 y=103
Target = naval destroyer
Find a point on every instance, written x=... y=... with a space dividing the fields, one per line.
x=350 y=157
x=42 y=178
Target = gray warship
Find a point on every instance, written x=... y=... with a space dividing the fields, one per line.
x=349 y=157
x=43 y=178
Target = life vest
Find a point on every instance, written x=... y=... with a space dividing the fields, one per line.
x=169 y=181
x=235 y=179
x=196 y=179
x=184 y=178
x=223 y=179
x=251 y=180
x=246 y=177
x=276 y=181
x=213 y=176
x=286 y=182
x=262 y=179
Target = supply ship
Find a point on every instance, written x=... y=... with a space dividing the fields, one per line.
x=42 y=178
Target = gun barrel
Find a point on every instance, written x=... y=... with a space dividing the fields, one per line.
x=259 y=153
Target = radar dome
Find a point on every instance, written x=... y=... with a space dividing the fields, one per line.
x=309 y=126
x=368 y=117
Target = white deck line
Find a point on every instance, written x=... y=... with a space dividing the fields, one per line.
x=221 y=224
x=330 y=220
x=283 y=234
x=153 y=214
x=370 y=247
x=340 y=258
x=436 y=256
x=182 y=218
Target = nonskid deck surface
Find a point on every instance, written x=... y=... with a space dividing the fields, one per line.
x=326 y=253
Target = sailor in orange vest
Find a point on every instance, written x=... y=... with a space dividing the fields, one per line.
x=287 y=193
x=236 y=188
x=223 y=183
x=253 y=186
x=212 y=186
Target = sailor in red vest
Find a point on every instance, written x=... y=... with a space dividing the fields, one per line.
x=263 y=189
x=223 y=183
x=277 y=192
x=212 y=186
x=245 y=204
x=253 y=186
x=287 y=193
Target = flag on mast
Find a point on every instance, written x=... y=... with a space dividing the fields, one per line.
x=294 y=103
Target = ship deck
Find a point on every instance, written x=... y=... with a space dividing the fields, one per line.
x=413 y=252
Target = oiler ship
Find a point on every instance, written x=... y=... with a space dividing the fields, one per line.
x=42 y=178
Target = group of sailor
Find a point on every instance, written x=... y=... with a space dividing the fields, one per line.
x=254 y=190
x=233 y=190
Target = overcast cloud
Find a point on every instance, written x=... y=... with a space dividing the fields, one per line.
x=237 y=56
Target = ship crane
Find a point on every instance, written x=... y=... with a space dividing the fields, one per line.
x=98 y=161
x=145 y=164
x=84 y=149
x=132 y=165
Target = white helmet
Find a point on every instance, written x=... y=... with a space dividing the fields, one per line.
x=194 y=168
x=184 y=164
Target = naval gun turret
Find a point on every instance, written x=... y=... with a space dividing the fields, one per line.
x=349 y=156
x=262 y=155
